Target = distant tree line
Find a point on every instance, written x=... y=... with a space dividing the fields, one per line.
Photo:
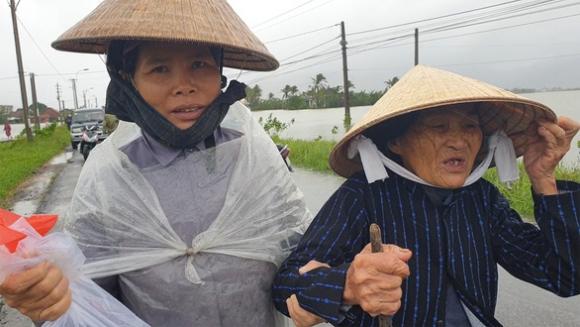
x=318 y=95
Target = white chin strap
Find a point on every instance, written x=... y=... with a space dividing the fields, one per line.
x=500 y=148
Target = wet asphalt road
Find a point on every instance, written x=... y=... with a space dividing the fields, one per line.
x=519 y=304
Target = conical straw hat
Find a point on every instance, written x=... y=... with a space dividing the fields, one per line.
x=424 y=88
x=211 y=22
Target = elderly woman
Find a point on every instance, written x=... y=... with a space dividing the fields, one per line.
x=185 y=213
x=422 y=150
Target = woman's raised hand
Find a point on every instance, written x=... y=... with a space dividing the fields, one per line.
x=546 y=144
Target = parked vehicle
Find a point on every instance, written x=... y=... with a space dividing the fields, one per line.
x=83 y=118
x=89 y=139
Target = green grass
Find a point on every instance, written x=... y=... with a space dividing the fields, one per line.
x=519 y=194
x=19 y=159
x=313 y=155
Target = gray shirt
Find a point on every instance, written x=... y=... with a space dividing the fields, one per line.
x=236 y=291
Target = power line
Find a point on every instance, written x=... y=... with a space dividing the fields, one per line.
x=312 y=48
x=479 y=16
x=460 y=35
x=283 y=14
x=81 y=73
x=456 y=26
x=37 y=46
x=291 y=17
x=318 y=55
x=430 y=19
x=394 y=39
x=502 y=28
x=459 y=21
x=300 y=34
x=295 y=70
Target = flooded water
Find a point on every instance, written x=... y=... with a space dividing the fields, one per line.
x=16 y=130
x=311 y=124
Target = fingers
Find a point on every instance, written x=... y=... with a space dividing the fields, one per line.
x=374 y=308
x=41 y=293
x=551 y=133
x=391 y=261
x=311 y=265
x=21 y=282
x=51 y=294
x=402 y=253
x=570 y=126
x=57 y=310
x=301 y=317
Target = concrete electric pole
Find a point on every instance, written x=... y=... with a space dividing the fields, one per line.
x=416 y=46
x=58 y=97
x=21 y=73
x=34 y=102
x=347 y=119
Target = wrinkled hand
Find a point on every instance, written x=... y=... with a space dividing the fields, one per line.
x=301 y=317
x=374 y=280
x=545 y=145
x=42 y=293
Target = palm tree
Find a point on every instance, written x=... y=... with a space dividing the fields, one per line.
x=317 y=89
x=391 y=82
x=293 y=90
x=286 y=91
x=253 y=95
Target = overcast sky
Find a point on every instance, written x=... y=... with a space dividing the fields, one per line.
x=543 y=52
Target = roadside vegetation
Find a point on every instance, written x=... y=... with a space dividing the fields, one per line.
x=20 y=159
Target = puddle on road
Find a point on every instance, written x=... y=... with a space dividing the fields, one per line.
x=25 y=208
x=317 y=187
x=62 y=158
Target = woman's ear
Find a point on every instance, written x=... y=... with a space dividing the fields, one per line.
x=394 y=146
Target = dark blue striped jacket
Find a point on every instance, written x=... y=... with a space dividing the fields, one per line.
x=460 y=243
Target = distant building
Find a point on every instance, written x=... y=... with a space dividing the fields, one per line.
x=5 y=112
x=49 y=116
x=16 y=117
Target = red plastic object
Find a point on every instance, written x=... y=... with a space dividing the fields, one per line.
x=10 y=238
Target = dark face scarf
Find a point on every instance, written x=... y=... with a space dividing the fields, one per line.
x=125 y=102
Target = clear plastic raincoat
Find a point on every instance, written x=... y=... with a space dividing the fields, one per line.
x=117 y=220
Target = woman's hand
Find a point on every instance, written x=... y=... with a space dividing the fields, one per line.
x=546 y=145
x=374 y=280
x=301 y=317
x=42 y=293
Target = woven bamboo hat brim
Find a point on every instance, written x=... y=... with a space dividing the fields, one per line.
x=424 y=88
x=209 y=22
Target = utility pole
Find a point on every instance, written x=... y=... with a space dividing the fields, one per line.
x=34 y=102
x=416 y=46
x=58 y=97
x=20 y=73
x=74 y=87
x=346 y=82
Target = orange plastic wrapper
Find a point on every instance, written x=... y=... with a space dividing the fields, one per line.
x=10 y=238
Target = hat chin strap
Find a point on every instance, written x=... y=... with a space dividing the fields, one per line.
x=500 y=149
